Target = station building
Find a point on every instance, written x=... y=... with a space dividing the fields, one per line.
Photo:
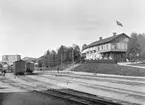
x=114 y=47
x=9 y=59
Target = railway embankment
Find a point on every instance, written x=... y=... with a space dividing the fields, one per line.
x=111 y=69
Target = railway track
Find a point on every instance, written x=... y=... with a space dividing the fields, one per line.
x=85 y=85
x=77 y=97
x=107 y=79
x=109 y=88
x=119 y=91
x=97 y=86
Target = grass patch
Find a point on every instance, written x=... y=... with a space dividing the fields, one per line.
x=110 y=69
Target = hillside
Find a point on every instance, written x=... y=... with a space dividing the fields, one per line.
x=29 y=59
x=110 y=69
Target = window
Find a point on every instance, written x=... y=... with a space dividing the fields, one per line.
x=115 y=46
x=122 y=45
x=125 y=46
x=106 y=46
x=96 y=48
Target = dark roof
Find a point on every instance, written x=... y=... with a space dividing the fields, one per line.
x=106 y=40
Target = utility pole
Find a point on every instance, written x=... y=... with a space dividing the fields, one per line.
x=73 y=58
x=73 y=55
x=61 y=61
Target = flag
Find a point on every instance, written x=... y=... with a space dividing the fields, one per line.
x=119 y=24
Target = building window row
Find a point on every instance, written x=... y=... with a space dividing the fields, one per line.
x=119 y=46
x=99 y=48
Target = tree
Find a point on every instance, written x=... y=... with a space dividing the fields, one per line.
x=69 y=53
x=41 y=61
x=133 y=47
x=47 y=58
x=77 y=53
x=62 y=56
x=84 y=46
x=53 y=58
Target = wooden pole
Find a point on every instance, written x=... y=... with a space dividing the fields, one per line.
x=73 y=58
x=61 y=61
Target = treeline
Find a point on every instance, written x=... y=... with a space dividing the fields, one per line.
x=62 y=55
x=136 y=47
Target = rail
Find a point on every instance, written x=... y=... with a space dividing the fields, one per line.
x=69 y=95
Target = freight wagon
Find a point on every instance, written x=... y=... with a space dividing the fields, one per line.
x=21 y=67
x=29 y=67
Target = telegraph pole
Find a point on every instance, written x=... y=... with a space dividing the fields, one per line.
x=61 y=61
x=73 y=55
x=73 y=58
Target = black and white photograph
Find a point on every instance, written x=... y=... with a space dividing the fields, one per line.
x=72 y=52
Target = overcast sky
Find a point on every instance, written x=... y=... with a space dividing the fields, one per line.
x=30 y=27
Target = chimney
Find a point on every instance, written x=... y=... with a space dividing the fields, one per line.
x=100 y=38
x=114 y=33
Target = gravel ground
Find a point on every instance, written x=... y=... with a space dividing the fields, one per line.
x=31 y=98
x=10 y=95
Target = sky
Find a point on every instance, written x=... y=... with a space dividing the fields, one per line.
x=31 y=27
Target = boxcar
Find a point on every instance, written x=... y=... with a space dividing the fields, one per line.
x=19 y=67
x=29 y=67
